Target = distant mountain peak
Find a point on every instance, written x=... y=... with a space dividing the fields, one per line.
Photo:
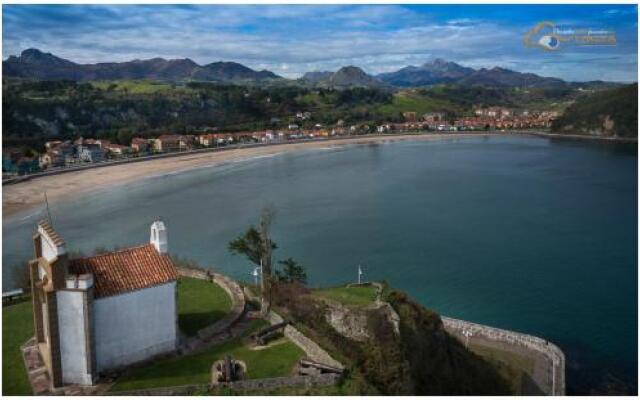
x=316 y=76
x=35 y=56
x=440 y=61
x=352 y=76
x=440 y=71
x=35 y=64
x=346 y=76
x=436 y=71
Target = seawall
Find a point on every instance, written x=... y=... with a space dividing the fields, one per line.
x=551 y=381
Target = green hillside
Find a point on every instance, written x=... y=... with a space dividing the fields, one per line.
x=610 y=113
x=37 y=111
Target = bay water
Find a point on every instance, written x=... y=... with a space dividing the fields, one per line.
x=523 y=233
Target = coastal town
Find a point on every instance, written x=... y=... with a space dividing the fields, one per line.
x=317 y=199
x=83 y=151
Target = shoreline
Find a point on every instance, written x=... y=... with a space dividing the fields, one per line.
x=28 y=195
x=611 y=139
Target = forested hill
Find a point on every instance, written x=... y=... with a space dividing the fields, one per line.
x=609 y=113
x=36 y=111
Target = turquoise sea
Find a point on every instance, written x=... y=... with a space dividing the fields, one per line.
x=522 y=233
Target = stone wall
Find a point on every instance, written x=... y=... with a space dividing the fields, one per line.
x=349 y=322
x=185 y=390
x=234 y=291
x=548 y=349
x=249 y=384
x=311 y=348
x=284 y=381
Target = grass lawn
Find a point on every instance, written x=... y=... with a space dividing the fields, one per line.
x=17 y=328
x=512 y=367
x=138 y=86
x=409 y=101
x=349 y=296
x=271 y=361
x=200 y=303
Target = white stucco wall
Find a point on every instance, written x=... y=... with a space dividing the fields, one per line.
x=49 y=250
x=71 y=325
x=134 y=326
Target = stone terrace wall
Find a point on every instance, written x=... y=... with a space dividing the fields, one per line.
x=163 y=391
x=234 y=291
x=550 y=350
x=284 y=381
x=250 y=384
x=311 y=348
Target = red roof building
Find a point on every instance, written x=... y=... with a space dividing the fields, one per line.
x=101 y=313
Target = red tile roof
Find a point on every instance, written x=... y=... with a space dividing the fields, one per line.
x=126 y=270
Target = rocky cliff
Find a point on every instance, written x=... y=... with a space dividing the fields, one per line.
x=393 y=346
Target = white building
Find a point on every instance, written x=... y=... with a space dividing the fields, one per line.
x=104 y=312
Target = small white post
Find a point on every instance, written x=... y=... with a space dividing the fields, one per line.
x=359 y=275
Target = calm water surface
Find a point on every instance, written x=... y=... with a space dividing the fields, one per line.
x=520 y=233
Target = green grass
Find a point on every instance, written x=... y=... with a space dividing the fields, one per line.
x=272 y=361
x=512 y=367
x=409 y=101
x=200 y=303
x=349 y=296
x=17 y=328
x=137 y=86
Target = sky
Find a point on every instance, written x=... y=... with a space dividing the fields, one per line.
x=293 y=39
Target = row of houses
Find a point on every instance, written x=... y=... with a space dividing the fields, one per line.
x=60 y=153
x=482 y=118
x=83 y=150
x=14 y=161
x=87 y=150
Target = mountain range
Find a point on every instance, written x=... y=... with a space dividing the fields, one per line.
x=35 y=64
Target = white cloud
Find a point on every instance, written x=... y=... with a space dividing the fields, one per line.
x=289 y=40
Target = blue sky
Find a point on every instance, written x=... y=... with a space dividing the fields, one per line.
x=293 y=39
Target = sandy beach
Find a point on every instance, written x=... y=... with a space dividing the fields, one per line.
x=27 y=195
